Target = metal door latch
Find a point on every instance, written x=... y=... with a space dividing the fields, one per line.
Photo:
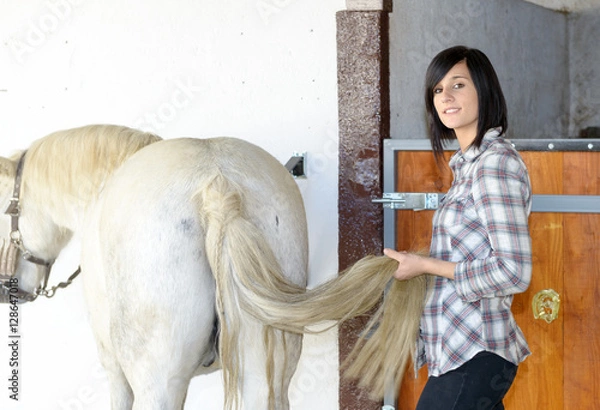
x=409 y=200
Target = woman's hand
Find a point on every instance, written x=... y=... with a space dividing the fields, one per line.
x=411 y=265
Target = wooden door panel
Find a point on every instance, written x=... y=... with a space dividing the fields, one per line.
x=538 y=385
x=579 y=307
x=565 y=258
x=545 y=171
x=417 y=171
x=582 y=173
x=411 y=389
x=582 y=286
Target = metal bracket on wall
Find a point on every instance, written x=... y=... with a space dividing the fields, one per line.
x=296 y=165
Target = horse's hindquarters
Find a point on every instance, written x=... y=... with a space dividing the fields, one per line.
x=150 y=287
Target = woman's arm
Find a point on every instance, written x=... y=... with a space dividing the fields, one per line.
x=411 y=265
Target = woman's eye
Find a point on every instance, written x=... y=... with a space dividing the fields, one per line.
x=437 y=90
x=458 y=85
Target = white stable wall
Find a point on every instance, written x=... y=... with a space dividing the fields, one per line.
x=260 y=70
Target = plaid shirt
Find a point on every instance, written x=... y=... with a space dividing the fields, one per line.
x=482 y=225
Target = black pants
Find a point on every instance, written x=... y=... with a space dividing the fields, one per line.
x=479 y=384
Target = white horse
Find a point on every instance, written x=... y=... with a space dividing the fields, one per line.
x=194 y=257
x=162 y=229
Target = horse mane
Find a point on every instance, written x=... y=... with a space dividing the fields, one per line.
x=75 y=163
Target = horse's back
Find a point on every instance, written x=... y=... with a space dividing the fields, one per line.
x=169 y=173
x=147 y=215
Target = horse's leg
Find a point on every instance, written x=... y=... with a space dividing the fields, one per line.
x=162 y=340
x=94 y=285
x=285 y=352
x=288 y=364
x=121 y=395
x=170 y=396
x=162 y=321
x=160 y=361
x=153 y=317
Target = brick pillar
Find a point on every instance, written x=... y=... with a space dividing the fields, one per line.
x=364 y=122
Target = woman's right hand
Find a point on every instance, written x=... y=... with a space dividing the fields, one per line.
x=411 y=265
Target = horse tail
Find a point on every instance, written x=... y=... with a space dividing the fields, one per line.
x=249 y=278
x=245 y=270
x=379 y=357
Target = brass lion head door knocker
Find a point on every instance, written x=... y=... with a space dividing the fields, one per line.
x=546 y=304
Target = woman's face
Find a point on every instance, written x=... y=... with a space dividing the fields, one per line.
x=455 y=100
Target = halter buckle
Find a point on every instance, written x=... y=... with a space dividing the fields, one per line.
x=13 y=208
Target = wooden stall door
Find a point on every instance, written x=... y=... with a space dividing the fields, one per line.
x=416 y=171
x=540 y=379
x=581 y=286
x=565 y=258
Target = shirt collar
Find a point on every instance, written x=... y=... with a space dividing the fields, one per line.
x=473 y=152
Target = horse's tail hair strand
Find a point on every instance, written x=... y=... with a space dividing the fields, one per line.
x=249 y=278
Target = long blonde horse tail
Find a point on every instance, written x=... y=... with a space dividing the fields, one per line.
x=245 y=270
x=249 y=279
x=379 y=358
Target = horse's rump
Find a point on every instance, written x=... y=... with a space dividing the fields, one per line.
x=196 y=195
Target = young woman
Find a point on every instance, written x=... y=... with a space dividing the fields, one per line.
x=480 y=250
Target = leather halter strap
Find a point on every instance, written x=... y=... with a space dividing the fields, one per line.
x=14 y=211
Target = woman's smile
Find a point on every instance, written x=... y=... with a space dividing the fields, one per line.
x=456 y=103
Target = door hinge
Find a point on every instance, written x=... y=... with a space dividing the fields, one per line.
x=409 y=200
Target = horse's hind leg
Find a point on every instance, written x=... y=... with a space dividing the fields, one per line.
x=287 y=365
x=121 y=395
x=159 y=362
x=284 y=351
x=169 y=395
x=160 y=345
x=158 y=370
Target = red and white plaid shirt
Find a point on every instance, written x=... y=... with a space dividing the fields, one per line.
x=482 y=224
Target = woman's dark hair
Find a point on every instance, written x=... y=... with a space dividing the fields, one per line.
x=492 y=106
